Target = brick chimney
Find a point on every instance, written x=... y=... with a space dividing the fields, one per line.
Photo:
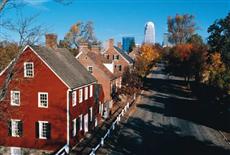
x=51 y=40
x=83 y=46
x=110 y=43
x=95 y=48
x=119 y=45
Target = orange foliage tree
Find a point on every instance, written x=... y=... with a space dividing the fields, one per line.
x=186 y=60
x=217 y=73
x=8 y=52
x=148 y=57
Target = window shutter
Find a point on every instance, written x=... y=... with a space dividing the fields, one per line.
x=48 y=133
x=20 y=127
x=89 y=122
x=77 y=125
x=93 y=117
x=37 y=129
x=71 y=129
x=9 y=128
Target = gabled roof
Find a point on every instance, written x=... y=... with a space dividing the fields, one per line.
x=98 y=59
x=64 y=64
x=133 y=54
x=126 y=56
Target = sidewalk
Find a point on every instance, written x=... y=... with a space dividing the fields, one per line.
x=85 y=146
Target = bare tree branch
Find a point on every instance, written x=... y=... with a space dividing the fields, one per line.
x=28 y=32
x=3 y=4
x=16 y=3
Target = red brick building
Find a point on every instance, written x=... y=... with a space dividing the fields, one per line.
x=118 y=56
x=51 y=101
x=102 y=69
x=135 y=53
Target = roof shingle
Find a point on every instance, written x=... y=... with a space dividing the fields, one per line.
x=98 y=59
x=126 y=56
x=64 y=64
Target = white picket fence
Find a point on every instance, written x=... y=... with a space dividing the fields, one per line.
x=109 y=131
x=63 y=151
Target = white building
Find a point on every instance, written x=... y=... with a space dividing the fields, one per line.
x=149 y=33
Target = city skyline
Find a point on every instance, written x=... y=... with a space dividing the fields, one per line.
x=117 y=19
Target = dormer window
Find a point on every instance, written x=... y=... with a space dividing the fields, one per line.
x=29 y=69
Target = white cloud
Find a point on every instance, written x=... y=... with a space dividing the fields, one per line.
x=35 y=2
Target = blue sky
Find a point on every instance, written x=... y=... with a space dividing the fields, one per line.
x=117 y=18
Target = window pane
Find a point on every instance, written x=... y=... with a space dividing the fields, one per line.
x=15 y=128
x=74 y=127
x=43 y=99
x=90 y=69
x=15 y=97
x=91 y=91
x=74 y=98
x=80 y=95
x=80 y=119
x=43 y=129
x=29 y=69
x=86 y=93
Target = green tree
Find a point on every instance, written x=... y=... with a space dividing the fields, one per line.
x=219 y=39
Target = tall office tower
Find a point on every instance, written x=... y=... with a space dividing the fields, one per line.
x=128 y=43
x=149 y=33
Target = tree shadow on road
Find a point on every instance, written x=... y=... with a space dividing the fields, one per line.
x=179 y=102
x=140 y=137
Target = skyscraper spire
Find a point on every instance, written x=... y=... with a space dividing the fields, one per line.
x=149 y=33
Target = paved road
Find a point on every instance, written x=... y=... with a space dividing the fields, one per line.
x=168 y=120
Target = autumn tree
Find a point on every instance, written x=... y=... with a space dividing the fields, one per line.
x=217 y=77
x=131 y=82
x=186 y=60
x=78 y=33
x=8 y=52
x=148 y=57
x=214 y=69
x=181 y=28
x=196 y=39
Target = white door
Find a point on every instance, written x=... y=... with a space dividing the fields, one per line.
x=86 y=117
